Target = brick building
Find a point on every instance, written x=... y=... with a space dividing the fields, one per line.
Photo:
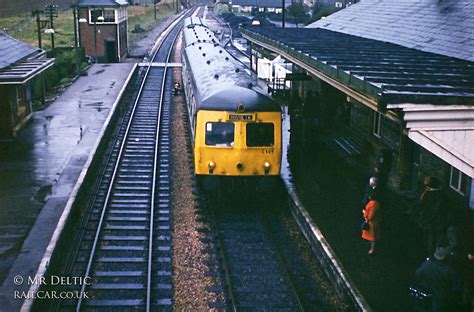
x=396 y=85
x=103 y=27
x=19 y=63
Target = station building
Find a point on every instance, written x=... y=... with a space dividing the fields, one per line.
x=396 y=87
x=103 y=27
x=19 y=64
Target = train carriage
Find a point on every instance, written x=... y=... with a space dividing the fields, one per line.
x=236 y=128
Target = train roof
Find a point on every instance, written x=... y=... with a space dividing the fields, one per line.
x=231 y=98
x=190 y=22
x=195 y=31
x=220 y=81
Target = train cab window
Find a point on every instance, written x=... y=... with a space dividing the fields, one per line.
x=260 y=134
x=220 y=134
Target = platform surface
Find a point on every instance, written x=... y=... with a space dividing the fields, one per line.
x=40 y=167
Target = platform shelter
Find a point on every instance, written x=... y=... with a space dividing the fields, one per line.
x=19 y=64
x=396 y=86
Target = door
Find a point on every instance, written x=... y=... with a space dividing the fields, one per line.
x=111 y=55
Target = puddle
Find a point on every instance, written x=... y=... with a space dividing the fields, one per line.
x=89 y=89
x=5 y=249
x=43 y=193
x=97 y=105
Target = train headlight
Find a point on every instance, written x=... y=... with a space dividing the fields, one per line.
x=212 y=165
x=240 y=166
x=267 y=167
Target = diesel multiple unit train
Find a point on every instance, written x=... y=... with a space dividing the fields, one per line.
x=236 y=128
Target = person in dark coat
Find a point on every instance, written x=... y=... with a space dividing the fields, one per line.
x=432 y=218
x=441 y=280
x=462 y=258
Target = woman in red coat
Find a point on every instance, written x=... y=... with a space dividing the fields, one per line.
x=372 y=216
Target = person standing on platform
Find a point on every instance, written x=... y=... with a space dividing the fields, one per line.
x=373 y=218
x=433 y=217
x=438 y=277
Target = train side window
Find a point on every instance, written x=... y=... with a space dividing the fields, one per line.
x=220 y=134
x=260 y=134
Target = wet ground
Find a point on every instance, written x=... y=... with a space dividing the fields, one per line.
x=331 y=190
x=40 y=167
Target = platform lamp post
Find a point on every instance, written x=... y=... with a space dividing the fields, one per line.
x=101 y=20
x=82 y=20
x=77 y=38
x=50 y=31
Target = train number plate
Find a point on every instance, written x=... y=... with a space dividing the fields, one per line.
x=240 y=117
x=267 y=151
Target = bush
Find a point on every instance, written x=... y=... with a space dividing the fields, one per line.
x=65 y=66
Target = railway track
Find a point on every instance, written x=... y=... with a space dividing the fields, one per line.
x=255 y=275
x=125 y=247
x=126 y=242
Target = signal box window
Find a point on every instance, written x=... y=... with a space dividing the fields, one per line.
x=107 y=14
x=260 y=134
x=220 y=134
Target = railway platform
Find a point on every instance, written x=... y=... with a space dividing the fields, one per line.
x=41 y=167
x=331 y=188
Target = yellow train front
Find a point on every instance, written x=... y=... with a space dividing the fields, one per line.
x=236 y=127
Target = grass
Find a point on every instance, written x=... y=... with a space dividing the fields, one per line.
x=23 y=27
x=145 y=18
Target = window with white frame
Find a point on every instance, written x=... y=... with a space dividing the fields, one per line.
x=377 y=124
x=458 y=181
x=107 y=14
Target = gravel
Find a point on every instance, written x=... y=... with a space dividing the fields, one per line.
x=143 y=47
x=189 y=257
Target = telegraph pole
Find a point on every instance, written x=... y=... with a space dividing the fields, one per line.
x=52 y=11
x=40 y=24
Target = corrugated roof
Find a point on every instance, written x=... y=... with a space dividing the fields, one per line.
x=22 y=71
x=13 y=50
x=443 y=27
x=101 y=3
x=387 y=72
